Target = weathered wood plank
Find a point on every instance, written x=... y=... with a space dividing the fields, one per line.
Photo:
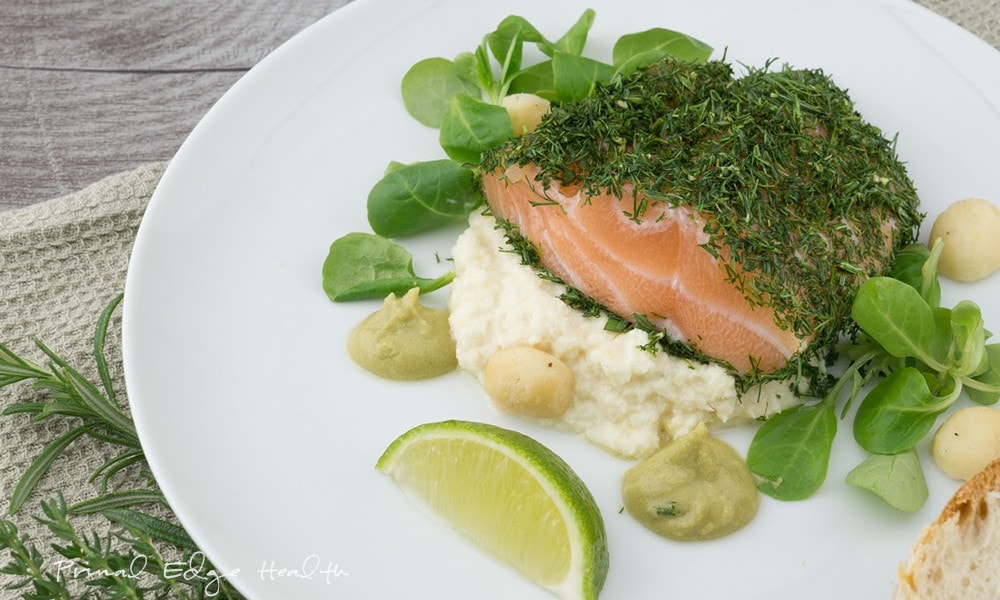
x=63 y=130
x=92 y=87
x=150 y=34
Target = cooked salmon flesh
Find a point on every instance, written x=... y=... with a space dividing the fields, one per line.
x=735 y=214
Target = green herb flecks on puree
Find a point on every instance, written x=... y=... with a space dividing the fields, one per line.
x=509 y=495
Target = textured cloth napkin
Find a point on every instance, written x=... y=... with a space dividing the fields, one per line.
x=63 y=260
x=981 y=17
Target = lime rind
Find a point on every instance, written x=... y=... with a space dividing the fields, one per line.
x=587 y=539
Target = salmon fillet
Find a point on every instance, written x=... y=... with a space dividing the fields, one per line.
x=739 y=228
x=655 y=268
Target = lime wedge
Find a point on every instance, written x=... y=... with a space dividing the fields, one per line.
x=510 y=496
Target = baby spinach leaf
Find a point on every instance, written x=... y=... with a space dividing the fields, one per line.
x=506 y=44
x=926 y=355
x=421 y=196
x=364 y=266
x=635 y=50
x=638 y=61
x=908 y=264
x=969 y=347
x=985 y=385
x=536 y=79
x=895 y=315
x=930 y=288
x=897 y=413
x=575 y=77
x=575 y=38
x=392 y=166
x=429 y=85
x=790 y=453
x=940 y=347
x=470 y=127
x=467 y=69
x=571 y=42
x=896 y=478
x=484 y=73
x=908 y=267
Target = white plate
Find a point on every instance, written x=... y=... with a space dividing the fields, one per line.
x=262 y=433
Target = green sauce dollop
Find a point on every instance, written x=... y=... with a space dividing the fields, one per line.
x=694 y=488
x=404 y=340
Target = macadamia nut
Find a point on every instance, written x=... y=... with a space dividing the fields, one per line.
x=970 y=230
x=526 y=111
x=526 y=381
x=967 y=441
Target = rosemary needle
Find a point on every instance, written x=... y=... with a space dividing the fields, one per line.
x=108 y=571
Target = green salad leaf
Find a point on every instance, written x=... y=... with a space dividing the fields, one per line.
x=897 y=413
x=894 y=315
x=636 y=50
x=429 y=86
x=422 y=196
x=575 y=77
x=984 y=387
x=896 y=478
x=791 y=454
x=470 y=127
x=924 y=357
x=365 y=266
x=461 y=97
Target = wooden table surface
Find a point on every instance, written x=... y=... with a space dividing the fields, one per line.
x=89 y=88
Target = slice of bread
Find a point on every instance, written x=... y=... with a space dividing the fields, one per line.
x=958 y=555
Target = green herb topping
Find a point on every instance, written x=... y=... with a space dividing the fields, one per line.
x=795 y=187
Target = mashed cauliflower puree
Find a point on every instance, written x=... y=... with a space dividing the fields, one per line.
x=626 y=399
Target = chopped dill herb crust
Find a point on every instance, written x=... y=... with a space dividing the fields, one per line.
x=795 y=187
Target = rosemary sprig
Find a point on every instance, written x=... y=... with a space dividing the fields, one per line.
x=127 y=561
x=72 y=395
x=113 y=565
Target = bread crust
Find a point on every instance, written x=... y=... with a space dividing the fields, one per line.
x=965 y=524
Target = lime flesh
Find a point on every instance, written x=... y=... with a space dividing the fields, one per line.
x=509 y=495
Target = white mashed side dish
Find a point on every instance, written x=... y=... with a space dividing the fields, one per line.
x=626 y=399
